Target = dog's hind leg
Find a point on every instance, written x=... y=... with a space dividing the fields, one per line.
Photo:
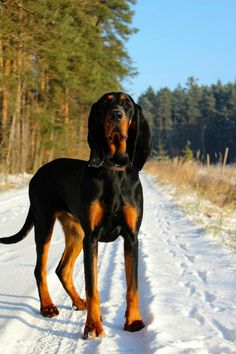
x=43 y=234
x=73 y=245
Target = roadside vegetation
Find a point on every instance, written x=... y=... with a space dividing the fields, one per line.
x=207 y=193
x=215 y=183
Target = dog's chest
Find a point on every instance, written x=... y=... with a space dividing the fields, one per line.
x=115 y=196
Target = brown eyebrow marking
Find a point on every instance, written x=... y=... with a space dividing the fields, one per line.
x=110 y=97
x=123 y=97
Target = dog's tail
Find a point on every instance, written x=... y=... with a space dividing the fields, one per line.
x=22 y=233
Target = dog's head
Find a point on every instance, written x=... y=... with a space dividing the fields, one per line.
x=118 y=133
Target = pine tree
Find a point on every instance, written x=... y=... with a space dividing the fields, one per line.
x=204 y=116
x=56 y=58
x=207 y=106
x=187 y=152
x=163 y=119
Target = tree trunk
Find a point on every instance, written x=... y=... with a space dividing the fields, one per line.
x=10 y=161
x=5 y=69
x=65 y=109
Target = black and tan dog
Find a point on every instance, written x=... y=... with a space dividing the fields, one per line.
x=95 y=201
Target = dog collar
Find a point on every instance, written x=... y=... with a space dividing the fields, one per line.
x=114 y=167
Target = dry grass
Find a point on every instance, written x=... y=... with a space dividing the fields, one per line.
x=206 y=194
x=214 y=183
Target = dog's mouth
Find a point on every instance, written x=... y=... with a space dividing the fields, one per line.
x=112 y=129
x=117 y=160
x=116 y=133
x=116 y=129
x=116 y=142
x=117 y=155
x=116 y=137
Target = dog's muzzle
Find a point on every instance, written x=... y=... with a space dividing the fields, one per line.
x=113 y=127
x=116 y=115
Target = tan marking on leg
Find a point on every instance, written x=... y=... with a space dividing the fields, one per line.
x=133 y=317
x=96 y=213
x=43 y=288
x=47 y=307
x=93 y=326
x=131 y=216
x=73 y=245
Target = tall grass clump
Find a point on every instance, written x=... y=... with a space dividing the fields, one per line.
x=216 y=183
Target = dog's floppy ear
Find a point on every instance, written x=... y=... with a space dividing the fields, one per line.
x=95 y=138
x=139 y=140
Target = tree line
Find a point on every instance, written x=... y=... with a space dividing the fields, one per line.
x=195 y=117
x=56 y=58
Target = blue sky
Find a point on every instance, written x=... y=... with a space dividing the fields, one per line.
x=182 y=38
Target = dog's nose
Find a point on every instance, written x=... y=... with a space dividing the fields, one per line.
x=116 y=114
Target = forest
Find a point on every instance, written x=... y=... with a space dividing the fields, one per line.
x=196 y=118
x=56 y=58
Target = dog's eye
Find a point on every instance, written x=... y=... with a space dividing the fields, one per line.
x=127 y=105
x=105 y=103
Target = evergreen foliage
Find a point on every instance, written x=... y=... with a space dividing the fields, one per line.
x=187 y=152
x=202 y=116
x=56 y=58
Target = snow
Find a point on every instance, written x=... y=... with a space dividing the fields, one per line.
x=14 y=181
x=187 y=288
x=220 y=222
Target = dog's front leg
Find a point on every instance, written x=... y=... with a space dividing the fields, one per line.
x=133 y=318
x=93 y=326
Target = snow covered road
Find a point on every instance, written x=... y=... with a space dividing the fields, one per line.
x=187 y=288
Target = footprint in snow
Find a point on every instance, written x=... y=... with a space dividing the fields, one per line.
x=227 y=333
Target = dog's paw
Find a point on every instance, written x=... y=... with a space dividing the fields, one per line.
x=134 y=326
x=94 y=330
x=49 y=311
x=79 y=305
